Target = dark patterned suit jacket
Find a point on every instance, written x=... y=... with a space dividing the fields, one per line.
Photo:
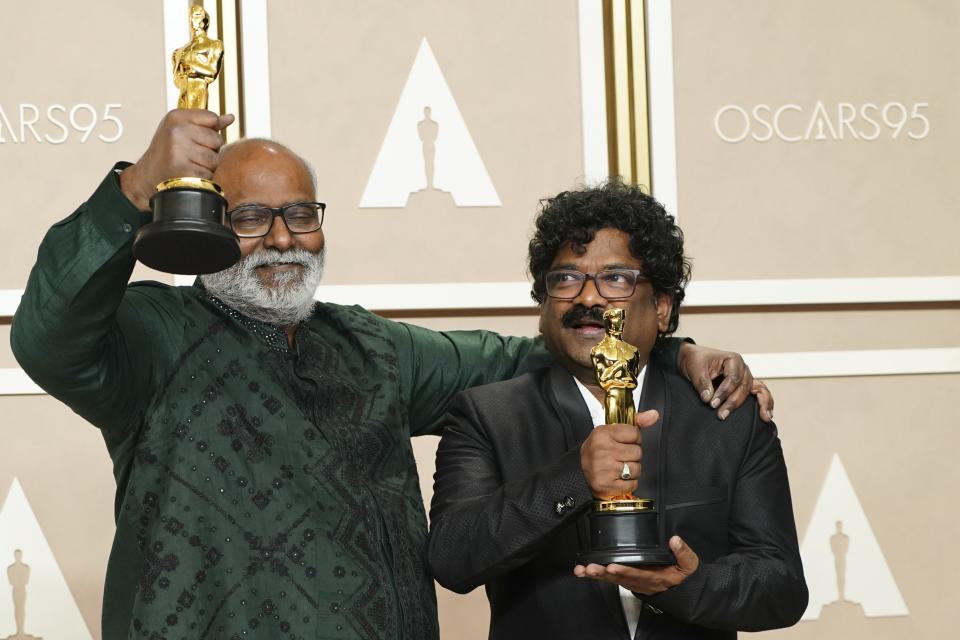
x=510 y=504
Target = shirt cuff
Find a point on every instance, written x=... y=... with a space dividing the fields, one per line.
x=113 y=214
x=666 y=353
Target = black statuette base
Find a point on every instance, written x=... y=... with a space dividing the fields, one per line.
x=626 y=537
x=187 y=235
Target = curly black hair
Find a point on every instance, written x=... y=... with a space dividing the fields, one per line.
x=576 y=216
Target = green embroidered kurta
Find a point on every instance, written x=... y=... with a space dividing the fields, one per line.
x=262 y=491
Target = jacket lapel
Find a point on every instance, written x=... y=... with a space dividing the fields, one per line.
x=652 y=397
x=564 y=395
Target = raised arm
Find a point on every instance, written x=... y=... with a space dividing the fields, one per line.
x=80 y=332
x=69 y=333
x=437 y=365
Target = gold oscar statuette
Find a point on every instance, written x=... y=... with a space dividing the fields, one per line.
x=188 y=234
x=197 y=63
x=616 y=363
x=623 y=529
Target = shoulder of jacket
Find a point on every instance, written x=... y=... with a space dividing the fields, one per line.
x=158 y=290
x=686 y=401
x=525 y=385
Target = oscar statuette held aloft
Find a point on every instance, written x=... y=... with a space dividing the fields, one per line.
x=188 y=234
x=623 y=529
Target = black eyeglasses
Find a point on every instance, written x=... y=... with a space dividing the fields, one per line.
x=612 y=284
x=254 y=220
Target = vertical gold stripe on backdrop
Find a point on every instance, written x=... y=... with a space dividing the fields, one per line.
x=640 y=113
x=625 y=58
x=231 y=75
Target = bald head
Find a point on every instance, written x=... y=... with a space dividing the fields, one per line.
x=264 y=173
x=259 y=155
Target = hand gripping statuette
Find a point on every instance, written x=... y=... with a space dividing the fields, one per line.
x=188 y=234
x=624 y=529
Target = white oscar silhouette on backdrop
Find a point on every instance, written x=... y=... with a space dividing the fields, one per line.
x=840 y=544
x=19 y=575
x=428 y=130
x=41 y=602
x=846 y=571
x=428 y=149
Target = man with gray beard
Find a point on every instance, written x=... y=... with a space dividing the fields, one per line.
x=275 y=280
x=266 y=485
x=287 y=300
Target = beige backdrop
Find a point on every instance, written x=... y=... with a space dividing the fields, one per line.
x=514 y=77
x=818 y=208
x=117 y=60
x=67 y=54
x=751 y=209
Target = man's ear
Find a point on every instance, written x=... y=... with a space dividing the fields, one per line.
x=664 y=309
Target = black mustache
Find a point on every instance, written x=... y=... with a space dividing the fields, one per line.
x=582 y=315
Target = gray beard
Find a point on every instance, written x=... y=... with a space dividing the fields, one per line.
x=286 y=300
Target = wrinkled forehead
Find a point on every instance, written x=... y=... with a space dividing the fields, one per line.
x=265 y=176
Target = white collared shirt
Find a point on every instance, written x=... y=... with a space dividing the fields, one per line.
x=631 y=603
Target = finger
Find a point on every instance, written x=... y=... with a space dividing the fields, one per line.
x=225 y=121
x=201 y=117
x=735 y=388
x=703 y=381
x=687 y=560
x=647 y=418
x=595 y=571
x=580 y=571
x=206 y=158
x=618 y=574
x=197 y=171
x=737 y=398
x=636 y=579
x=743 y=383
x=206 y=137
x=624 y=433
x=764 y=399
x=633 y=469
x=697 y=365
x=733 y=371
x=627 y=453
x=606 y=576
x=747 y=376
x=621 y=571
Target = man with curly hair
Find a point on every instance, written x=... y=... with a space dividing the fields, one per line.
x=521 y=462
